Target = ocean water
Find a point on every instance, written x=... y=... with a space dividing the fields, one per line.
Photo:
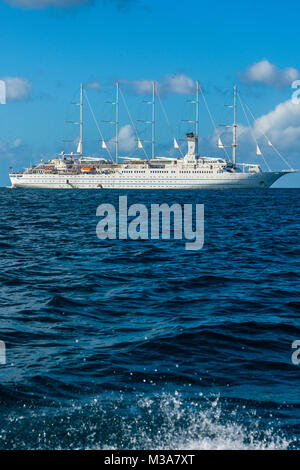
x=127 y=344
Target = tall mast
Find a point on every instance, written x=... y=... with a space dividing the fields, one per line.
x=234 y=143
x=81 y=119
x=196 y=103
x=197 y=108
x=117 y=120
x=153 y=120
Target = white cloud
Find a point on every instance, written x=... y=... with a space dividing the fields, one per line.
x=127 y=139
x=282 y=125
x=17 y=88
x=268 y=74
x=177 y=84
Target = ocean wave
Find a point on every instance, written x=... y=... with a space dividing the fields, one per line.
x=151 y=422
x=86 y=318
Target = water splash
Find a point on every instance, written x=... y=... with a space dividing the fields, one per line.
x=151 y=422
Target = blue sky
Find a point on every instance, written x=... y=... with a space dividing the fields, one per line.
x=48 y=50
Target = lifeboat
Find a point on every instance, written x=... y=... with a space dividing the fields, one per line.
x=87 y=169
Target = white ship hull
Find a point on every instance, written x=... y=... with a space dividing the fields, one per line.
x=142 y=180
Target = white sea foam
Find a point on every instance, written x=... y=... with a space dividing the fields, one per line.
x=166 y=421
x=203 y=426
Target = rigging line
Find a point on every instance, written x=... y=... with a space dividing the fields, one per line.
x=97 y=125
x=266 y=137
x=68 y=113
x=252 y=132
x=131 y=120
x=212 y=119
x=167 y=119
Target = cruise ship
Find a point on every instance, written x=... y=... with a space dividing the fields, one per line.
x=190 y=171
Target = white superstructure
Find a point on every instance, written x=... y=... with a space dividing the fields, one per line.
x=192 y=171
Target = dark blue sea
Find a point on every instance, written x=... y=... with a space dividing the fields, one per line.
x=124 y=344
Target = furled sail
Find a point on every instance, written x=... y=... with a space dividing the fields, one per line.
x=79 y=148
x=258 y=151
x=176 y=146
x=104 y=144
x=220 y=143
x=140 y=146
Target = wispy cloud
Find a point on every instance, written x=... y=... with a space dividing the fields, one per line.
x=94 y=85
x=17 y=88
x=43 y=4
x=13 y=151
x=264 y=72
x=176 y=84
x=138 y=87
